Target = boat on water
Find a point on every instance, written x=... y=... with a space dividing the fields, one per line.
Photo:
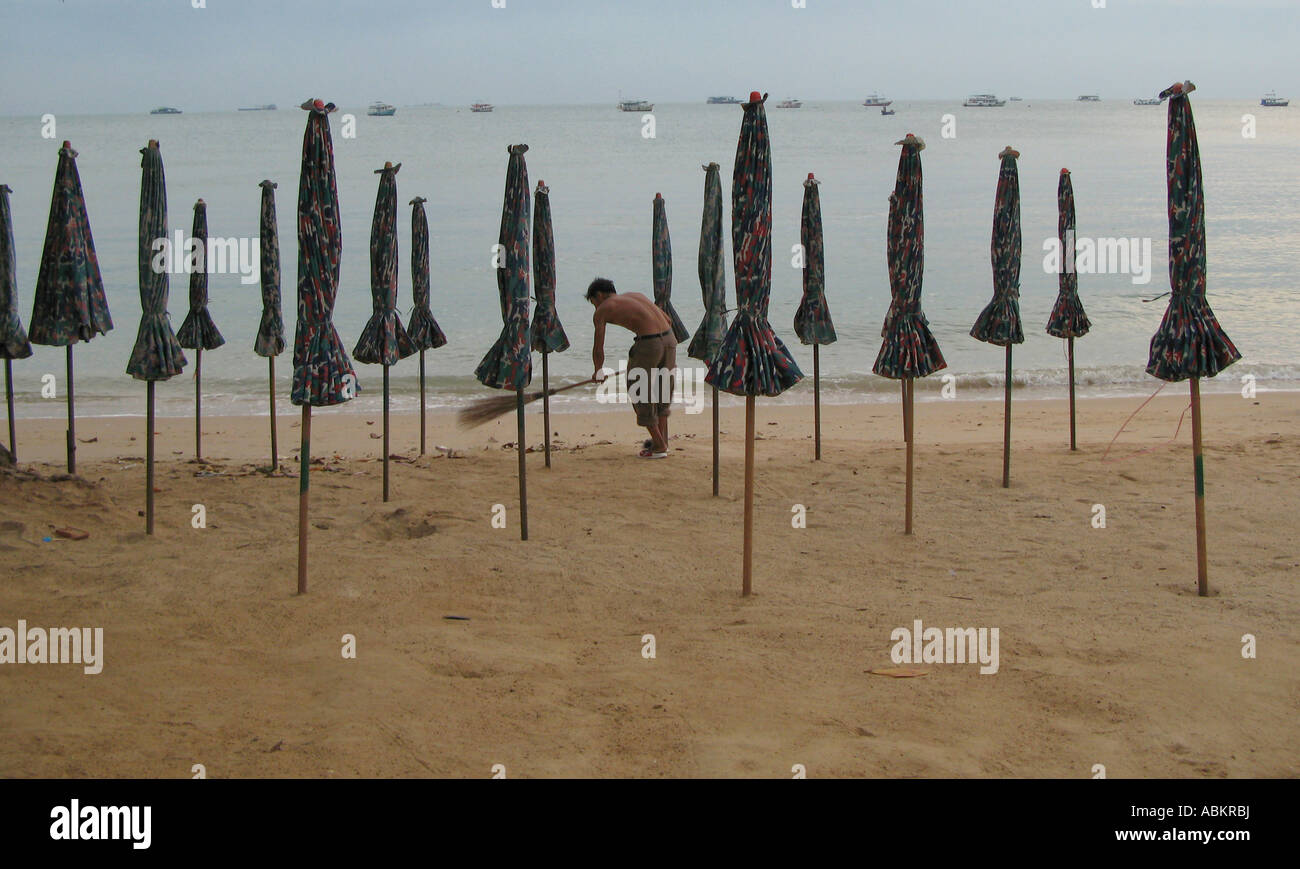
x=886 y=110
x=269 y=107
x=875 y=100
x=1089 y=98
x=381 y=110
x=790 y=104
x=1016 y=99
x=724 y=101
x=1147 y=102
x=635 y=106
x=983 y=101
x=482 y=107
x=1273 y=101
x=165 y=110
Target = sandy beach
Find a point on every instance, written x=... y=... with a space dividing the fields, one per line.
x=1107 y=656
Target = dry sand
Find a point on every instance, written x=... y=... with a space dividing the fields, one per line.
x=1107 y=656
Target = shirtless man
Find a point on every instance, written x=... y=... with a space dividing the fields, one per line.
x=653 y=354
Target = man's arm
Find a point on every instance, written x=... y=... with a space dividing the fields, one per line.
x=598 y=347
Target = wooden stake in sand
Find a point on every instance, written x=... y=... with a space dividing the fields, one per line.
x=275 y=451
x=422 y=414
x=817 y=400
x=1074 y=443
x=1006 y=427
x=747 y=585
x=72 y=419
x=715 y=441
x=304 y=494
x=1198 y=464
x=198 y=404
x=9 y=403
x=909 y=393
x=148 y=473
x=546 y=403
x=523 y=465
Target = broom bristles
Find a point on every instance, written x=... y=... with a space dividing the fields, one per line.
x=488 y=409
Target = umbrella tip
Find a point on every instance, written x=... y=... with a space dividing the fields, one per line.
x=200 y=202
x=153 y=143
x=659 y=196
x=67 y=144
x=755 y=97
x=320 y=104
x=810 y=176
x=1009 y=151
x=1065 y=171
x=388 y=164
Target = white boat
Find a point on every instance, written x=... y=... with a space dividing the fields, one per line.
x=1273 y=101
x=482 y=107
x=1089 y=98
x=724 y=101
x=1016 y=99
x=381 y=110
x=636 y=106
x=875 y=100
x=165 y=110
x=1147 y=102
x=886 y=110
x=790 y=104
x=983 y=101
x=269 y=107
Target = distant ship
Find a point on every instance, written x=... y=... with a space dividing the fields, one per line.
x=1273 y=101
x=790 y=104
x=381 y=110
x=269 y=107
x=875 y=100
x=886 y=110
x=984 y=101
x=1016 y=99
x=723 y=101
x=1089 y=98
x=1147 y=102
x=636 y=106
x=482 y=107
x=165 y=110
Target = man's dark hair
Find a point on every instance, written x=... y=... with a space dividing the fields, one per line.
x=600 y=286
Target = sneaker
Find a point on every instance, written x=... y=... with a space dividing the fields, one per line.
x=651 y=454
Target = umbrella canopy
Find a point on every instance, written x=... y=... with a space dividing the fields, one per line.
x=661 y=256
x=157 y=354
x=909 y=349
x=509 y=364
x=422 y=329
x=270 y=330
x=198 y=332
x=383 y=341
x=322 y=373
x=713 y=278
x=812 y=321
x=999 y=322
x=1067 y=319
x=548 y=334
x=1189 y=343
x=752 y=360
x=70 y=302
x=13 y=338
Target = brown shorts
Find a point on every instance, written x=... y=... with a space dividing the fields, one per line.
x=651 y=358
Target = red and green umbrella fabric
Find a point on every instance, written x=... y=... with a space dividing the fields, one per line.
x=421 y=327
x=712 y=269
x=661 y=261
x=548 y=334
x=270 y=328
x=157 y=354
x=13 y=337
x=384 y=341
x=999 y=322
x=1067 y=319
x=812 y=320
x=509 y=363
x=197 y=331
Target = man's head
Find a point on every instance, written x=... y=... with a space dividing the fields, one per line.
x=600 y=290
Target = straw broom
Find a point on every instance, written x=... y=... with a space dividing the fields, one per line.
x=488 y=409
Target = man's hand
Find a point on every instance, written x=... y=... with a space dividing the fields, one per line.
x=599 y=376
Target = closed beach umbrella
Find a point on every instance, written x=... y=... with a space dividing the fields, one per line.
x=270 y=329
x=421 y=328
x=384 y=341
x=713 y=288
x=1067 y=319
x=548 y=334
x=197 y=331
x=909 y=349
x=812 y=320
x=13 y=339
x=1189 y=344
x=752 y=361
x=509 y=363
x=157 y=354
x=322 y=374
x=661 y=257
x=999 y=322
x=70 y=303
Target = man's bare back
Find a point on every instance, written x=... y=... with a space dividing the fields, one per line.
x=634 y=312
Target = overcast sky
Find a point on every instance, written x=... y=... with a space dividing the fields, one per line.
x=131 y=55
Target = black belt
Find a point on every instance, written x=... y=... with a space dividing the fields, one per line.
x=663 y=334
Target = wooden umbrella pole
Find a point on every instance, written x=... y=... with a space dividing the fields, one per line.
x=198 y=404
x=304 y=485
x=422 y=402
x=385 y=434
x=909 y=387
x=523 y=467
x=72 y=420
x=9 y=401
x=546 y=403
x=817 y=400
x=749 y=497
x=715 y=441
x=148 y=461
x=1006 y=428
x=275 y=452
x=1073 y=443
x=1202 y=566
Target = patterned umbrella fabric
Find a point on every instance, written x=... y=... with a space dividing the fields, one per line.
x=13 y=338
x=198 y=332
x=752 y=360
x=322 y=375
x=999 y=322
x=1067 y=319
x=384 y=341
x=661 y=256
x=713 y=278
x=422 y=328
x=70 y=302
x=548 y=334
x=812 y=320
x=909 y=349
x=157 y=354
x=509 y=364
x=1189 y=343
x=270 y=330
